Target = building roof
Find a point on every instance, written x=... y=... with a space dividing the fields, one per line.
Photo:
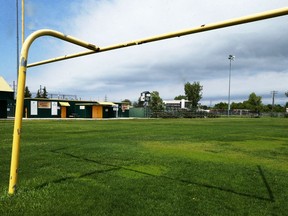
x=95 y=103
x=85 y=104
x=64 y=104
x=107 y=103
x=173 y=101
x=4 y=86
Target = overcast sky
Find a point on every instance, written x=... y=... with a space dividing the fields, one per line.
x=261 y=48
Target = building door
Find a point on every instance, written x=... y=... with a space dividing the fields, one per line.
x=97 y=112
x=3 y=109
x=63 y=112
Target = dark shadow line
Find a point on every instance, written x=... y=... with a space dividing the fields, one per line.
x=56 y=150
x=266 y=184
x=116 y=167
x=201 y=185
x=85 y=159
x=74 y=177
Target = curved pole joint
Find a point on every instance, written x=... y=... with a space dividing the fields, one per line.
x=20 y=95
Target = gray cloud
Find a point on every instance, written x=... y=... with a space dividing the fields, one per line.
x=260 y=49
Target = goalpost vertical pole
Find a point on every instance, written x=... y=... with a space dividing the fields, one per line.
x=18 y=123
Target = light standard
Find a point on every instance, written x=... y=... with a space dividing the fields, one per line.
x=231 y=58
x=145 y=97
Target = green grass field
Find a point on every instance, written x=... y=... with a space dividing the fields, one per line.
x=148 y=167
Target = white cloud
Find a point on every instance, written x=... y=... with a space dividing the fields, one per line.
x=165 y=66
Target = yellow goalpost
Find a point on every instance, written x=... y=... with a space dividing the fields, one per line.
x=92 y=49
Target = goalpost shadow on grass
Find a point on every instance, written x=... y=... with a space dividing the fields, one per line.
x=271 y=196
x=182 y=181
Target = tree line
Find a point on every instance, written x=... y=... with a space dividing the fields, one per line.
x=193 y=93
x=253 y=104
x=41 y=93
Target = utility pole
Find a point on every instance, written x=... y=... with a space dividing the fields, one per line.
x=23 y=22
x=17 y=37
x=17 y=44
x=273 y=99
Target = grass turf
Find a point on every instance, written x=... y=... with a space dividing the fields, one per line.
x=148 y=167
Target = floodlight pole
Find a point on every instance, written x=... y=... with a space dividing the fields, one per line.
x=20 y=96
x=231 y=58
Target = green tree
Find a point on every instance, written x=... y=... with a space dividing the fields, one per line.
x=279 y=108
x=44 y=93
x=180 y=97
x=140 y=103
x=267 y=108
x=221 y=106
x=254 y=102
x=156 y=103
x=275 y=108
x=239 y=105
x=193 y=93
x=127 y=101
x=38 y=94
x=27 y=93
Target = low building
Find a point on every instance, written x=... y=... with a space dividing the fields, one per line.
x=57 y=108
x=6 y=98
x=172 y=105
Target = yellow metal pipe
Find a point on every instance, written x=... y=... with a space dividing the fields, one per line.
x=202 y=28
x=20 y=96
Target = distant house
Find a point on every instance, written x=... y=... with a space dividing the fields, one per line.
x=59 y=108
x=175 y=104
x=6 y=98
